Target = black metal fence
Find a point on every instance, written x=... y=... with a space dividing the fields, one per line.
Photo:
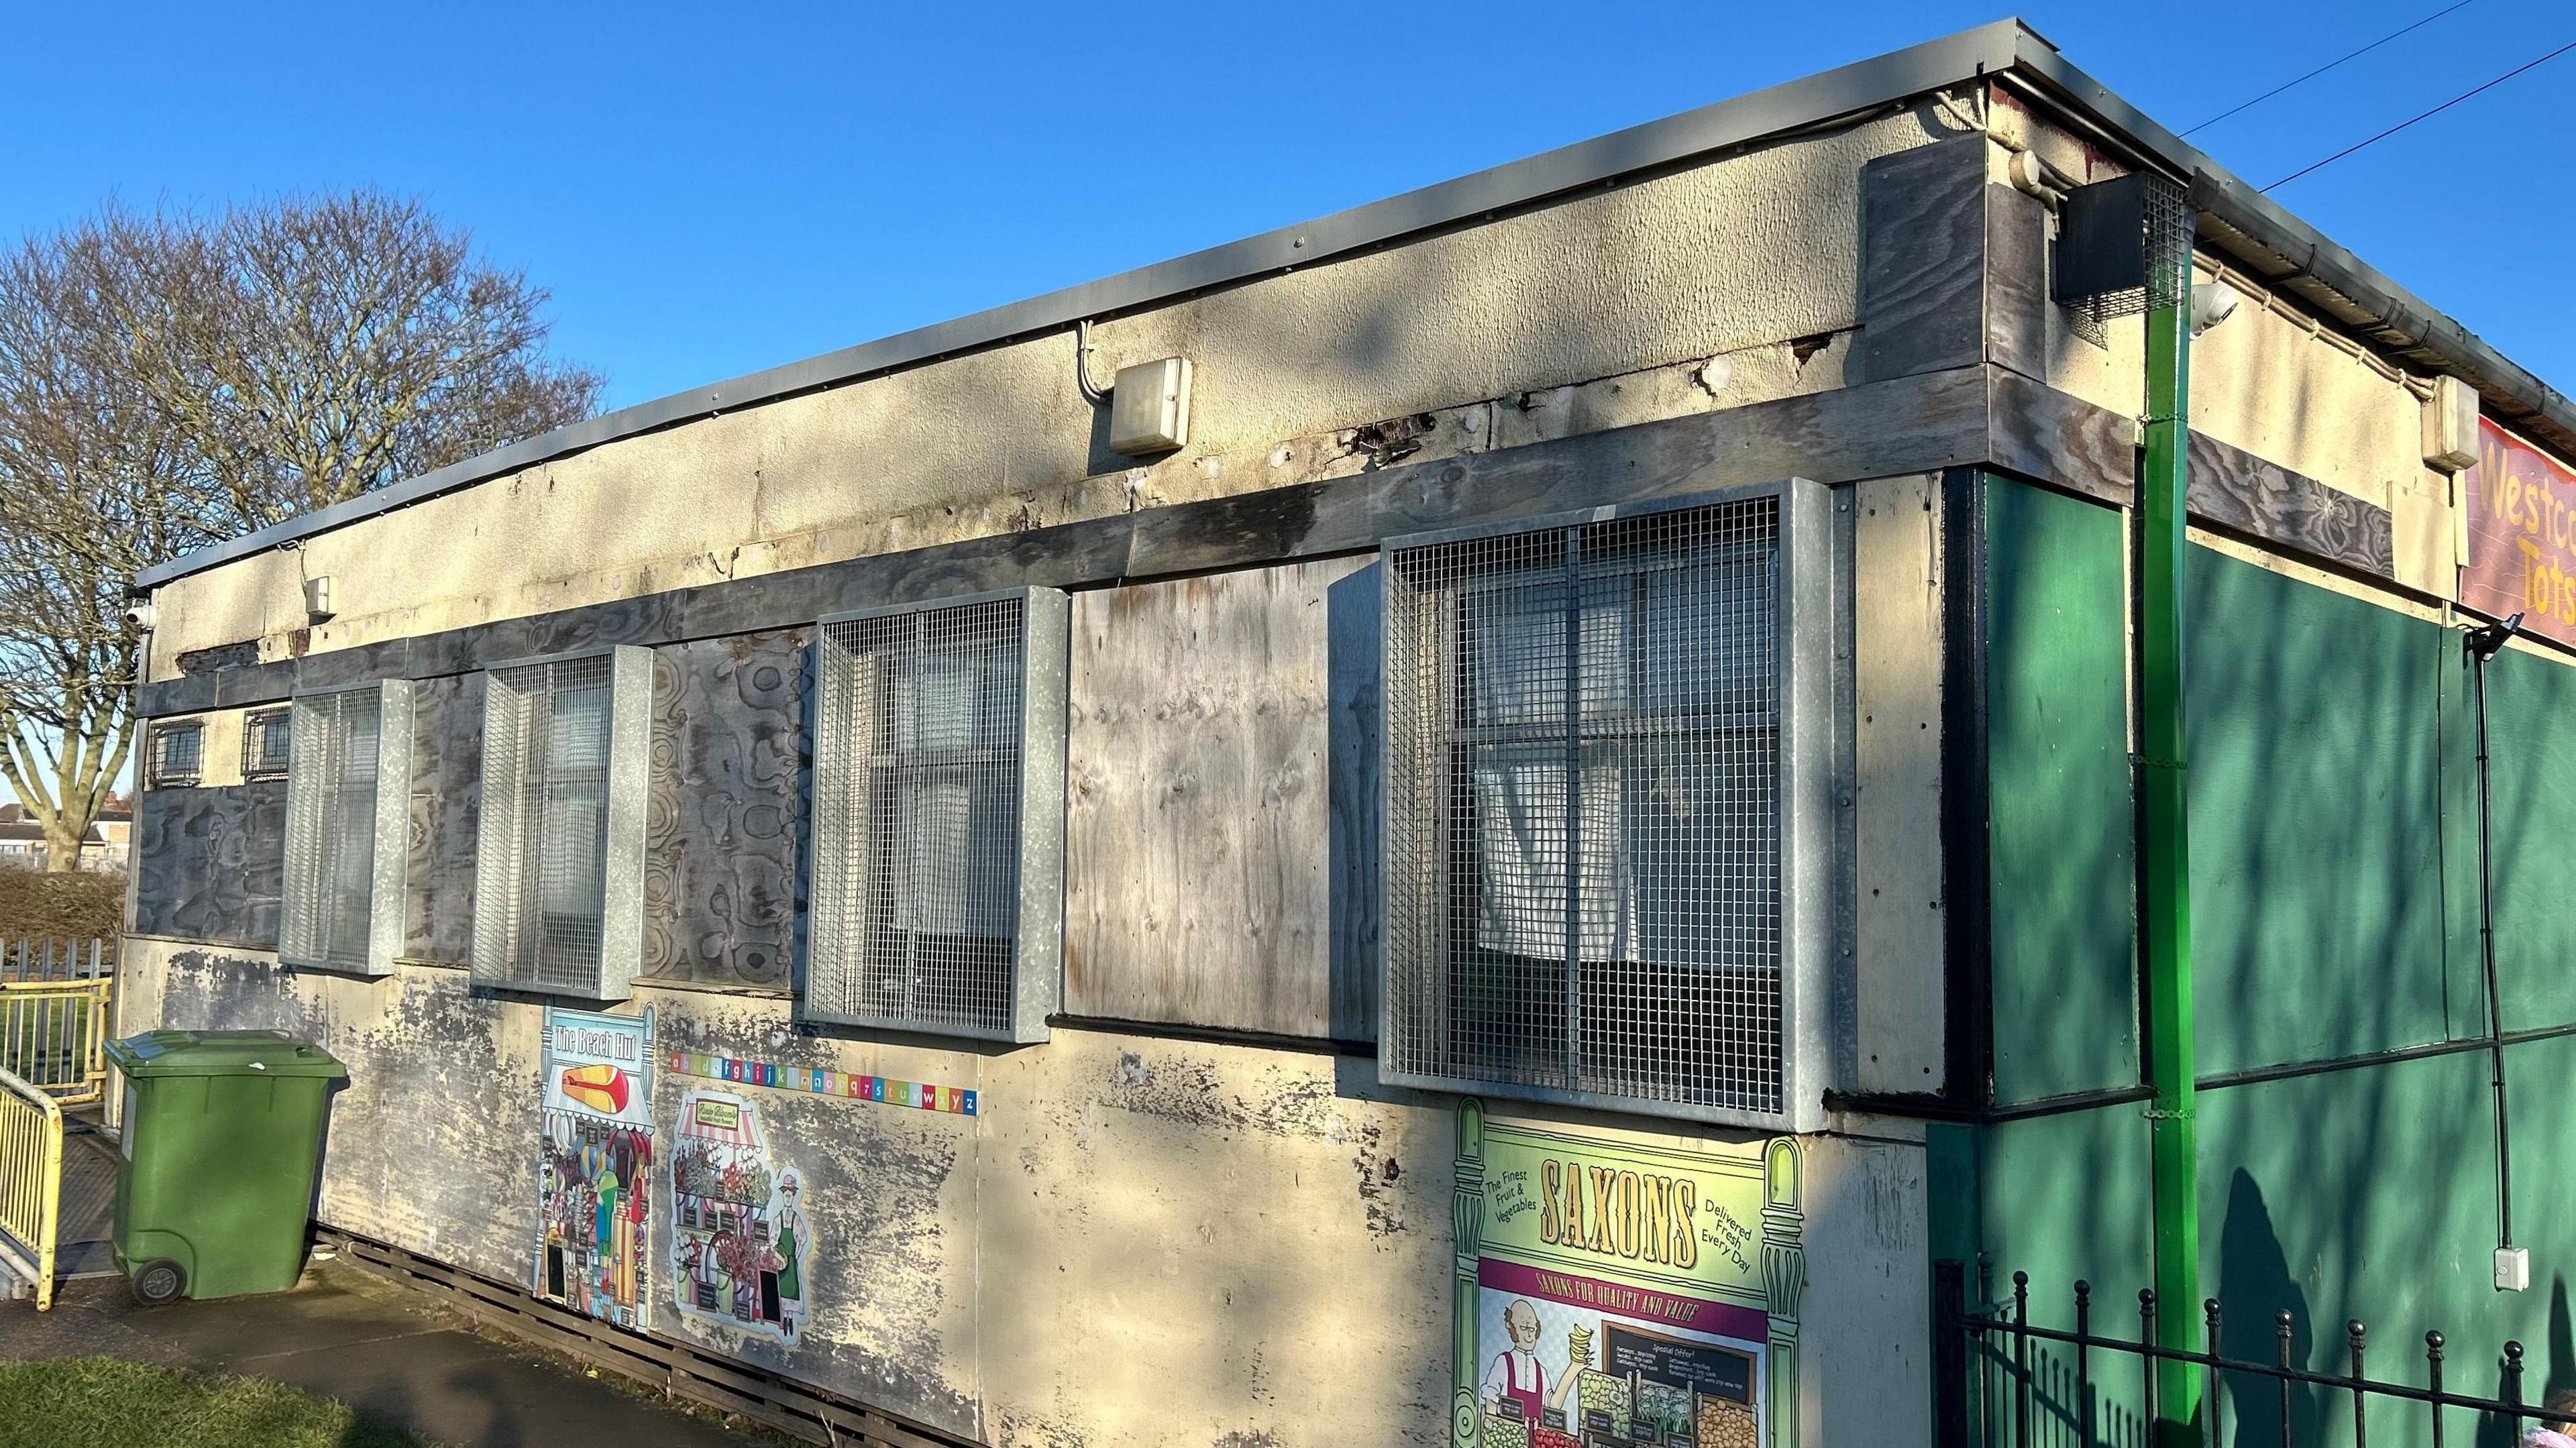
x=2005 y=1381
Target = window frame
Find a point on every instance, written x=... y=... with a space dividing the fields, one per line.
x=501 y=874
x=254 y=722
x=1037 y=941
x=162 y=776
x=1808 y=626
x=388 y=889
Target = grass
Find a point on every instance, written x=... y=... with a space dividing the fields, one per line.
x=102 y=1402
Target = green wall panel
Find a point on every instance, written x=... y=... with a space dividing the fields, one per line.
x=2316 y=843
x=2531 y=705
x=2363 y=1193
x=2064 y=1197
x=2063 y=882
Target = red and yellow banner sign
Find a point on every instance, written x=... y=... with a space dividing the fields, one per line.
x=2520 y=508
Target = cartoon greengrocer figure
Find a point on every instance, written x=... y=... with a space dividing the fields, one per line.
x=1517 y=1376
x=791 y=1238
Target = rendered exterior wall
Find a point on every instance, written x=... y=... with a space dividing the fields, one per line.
x=1134 y=1239
x=1738 y=256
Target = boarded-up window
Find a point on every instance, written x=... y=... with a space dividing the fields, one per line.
x=559 y=861
x=939 y=816
x=1596 y=751
x=1220 y=821
x=348 y=797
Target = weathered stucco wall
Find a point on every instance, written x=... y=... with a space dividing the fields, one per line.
x=1133 y=1241
x=1742 y=255
x=2273 y=380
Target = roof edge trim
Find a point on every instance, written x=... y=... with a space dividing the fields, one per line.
x=1741 y=120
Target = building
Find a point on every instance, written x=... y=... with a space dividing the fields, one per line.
x=103 y=847
x=1515 y=840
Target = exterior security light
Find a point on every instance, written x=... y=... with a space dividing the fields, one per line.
x=2211 y=304
x=1149 y=408
x=2450 y=415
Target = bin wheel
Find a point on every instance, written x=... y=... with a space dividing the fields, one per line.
x=158 y=1283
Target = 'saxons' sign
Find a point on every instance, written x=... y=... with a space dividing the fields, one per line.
x=2519 y=511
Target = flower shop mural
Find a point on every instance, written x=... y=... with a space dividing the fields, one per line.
x=593 y=1200
x=741 y=1248
x=1614 y=1290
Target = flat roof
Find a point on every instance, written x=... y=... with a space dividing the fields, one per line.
x=2235 y=219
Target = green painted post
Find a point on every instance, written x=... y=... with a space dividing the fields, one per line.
x=2164 y=849
x=1467 y=1223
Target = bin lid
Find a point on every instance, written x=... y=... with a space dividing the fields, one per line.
x=221 y=1053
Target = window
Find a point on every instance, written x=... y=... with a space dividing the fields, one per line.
x=268 y=737
x=178 y=752
x=559 y=864
x=1607 y=741
x=348 y=825
x=939 y=816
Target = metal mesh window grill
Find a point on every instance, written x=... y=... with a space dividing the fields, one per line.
x=268 y=743
x=328 y=914
x=918 y=776
x=178 y=751
x=1583 y=815
x=543 y=870
x=2160 y=211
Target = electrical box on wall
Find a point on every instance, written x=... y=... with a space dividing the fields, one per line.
x=2451 y=425
x=1149 y=407
x=2513 y=1269
x=318 y=604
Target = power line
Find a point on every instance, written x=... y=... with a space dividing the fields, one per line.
x=2428 y=115
x=2331 y=64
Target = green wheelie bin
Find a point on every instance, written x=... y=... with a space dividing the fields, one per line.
x=223 y=1133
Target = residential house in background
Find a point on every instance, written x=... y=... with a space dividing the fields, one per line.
x=104 y=847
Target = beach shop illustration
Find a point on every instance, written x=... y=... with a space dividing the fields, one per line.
x=596 y=1157
x=1511 y=818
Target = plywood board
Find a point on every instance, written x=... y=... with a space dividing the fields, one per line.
x=1896 y=665
x=1200 y=879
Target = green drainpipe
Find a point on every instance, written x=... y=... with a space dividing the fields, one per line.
x=2164 y=845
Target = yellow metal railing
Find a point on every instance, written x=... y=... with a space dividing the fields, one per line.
x=31 y=1181
x=53 y=1035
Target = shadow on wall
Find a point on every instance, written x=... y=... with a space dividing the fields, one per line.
x=2255 y=1284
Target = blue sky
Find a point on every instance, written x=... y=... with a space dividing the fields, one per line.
x=709 y=190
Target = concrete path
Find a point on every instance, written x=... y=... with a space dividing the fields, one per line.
x=371 y=1345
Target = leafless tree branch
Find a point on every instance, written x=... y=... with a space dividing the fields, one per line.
x=168 y=381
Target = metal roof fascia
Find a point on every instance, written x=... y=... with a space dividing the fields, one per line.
x=1790 y=106
x=2397 y=311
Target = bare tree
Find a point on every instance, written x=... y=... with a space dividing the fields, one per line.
x=86 y=498
x=167 y=382
x=310 y=350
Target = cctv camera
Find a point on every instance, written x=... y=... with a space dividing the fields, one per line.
x=139 y=615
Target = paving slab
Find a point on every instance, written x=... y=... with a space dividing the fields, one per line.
x=371 y=1345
